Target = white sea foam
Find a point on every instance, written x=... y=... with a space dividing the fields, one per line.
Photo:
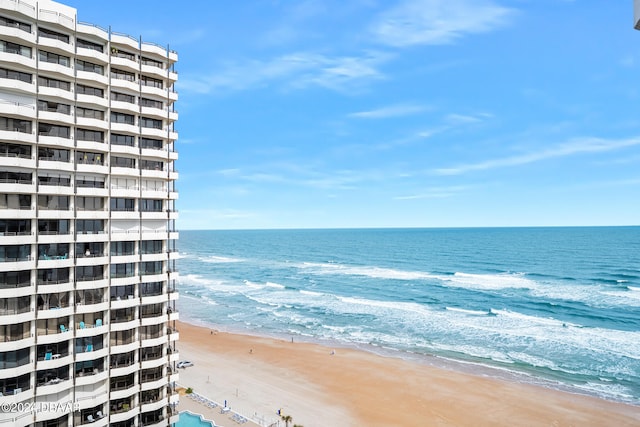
x=274 y=285
x=374 y=272
x=530 y=320
x=214 y=259
x=312 y=293
x=196 y=279
x=633 y=288
x=465 y=311
x=489 y=281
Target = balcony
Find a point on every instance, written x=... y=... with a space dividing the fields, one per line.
x=17 y=136
x=60 y=71
x=92 y=77
x=92 y=100
x=92 y=55
x=58 y=18
x=9 y=58
x=126 y=85
x=54 y=385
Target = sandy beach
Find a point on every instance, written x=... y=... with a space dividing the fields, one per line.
x=321 y=386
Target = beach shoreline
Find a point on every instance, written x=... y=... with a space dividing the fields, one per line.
x=349 y=386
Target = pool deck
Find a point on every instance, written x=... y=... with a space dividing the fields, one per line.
x=220 y=419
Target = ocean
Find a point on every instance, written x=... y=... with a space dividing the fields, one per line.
x=556 y=306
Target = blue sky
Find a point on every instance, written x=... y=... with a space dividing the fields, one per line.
x=414 y=113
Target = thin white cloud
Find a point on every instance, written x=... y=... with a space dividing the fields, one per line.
x=434 y=22
x=397 y=110
x=297 y=70
x=435 y=193
x=578 y=146
x=457 y=119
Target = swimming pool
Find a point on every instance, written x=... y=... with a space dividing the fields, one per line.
x=187 y=419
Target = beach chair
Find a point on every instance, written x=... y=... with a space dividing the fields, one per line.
x=90 y=418
x=81 y=325
x=98 y=322
x=99 y=414
x=47 y=356
x=63 y=328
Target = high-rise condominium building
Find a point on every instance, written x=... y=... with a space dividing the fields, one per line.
x=87 y=222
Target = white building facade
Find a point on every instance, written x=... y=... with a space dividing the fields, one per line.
x=87 y=223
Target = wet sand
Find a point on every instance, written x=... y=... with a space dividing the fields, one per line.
x=257 y=376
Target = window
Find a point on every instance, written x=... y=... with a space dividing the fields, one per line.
x=124 y=54
x=54 y=107
x=123 y=162
x=15 y=201
x=89 y=182
x=90 y=272
x=15 y=227
x=14 y=358
x=42 y=32
x=89 y=135
x=15 y=253
x=151 y=310
x=53 y=226
x=122 y=75
x=15 y=279
x=151 y=247
x=55 y=83
x=122 y=292
x=150 y=205
x=15 y=150
x=89 y=113
x=89 y=249
x=89 y=203
x=54 y=154
x=46 y=129
x=146 y=102
x=53 y=276
x=8 y=22
x=127 y=140
x=123 y=270
x=150 y=81
x=146 y=122
x=123 y=97
x=150 y=289
x=15 y=75
x=15 y=125
x=89 y=158
x=89 y=66
x=46 y=202
x=155 y=144
x=151 y=267
x=15 y=178
x=86 y=44
x=59 y=181
x=121 y=204
x=54 y=58
x=122 y=248
x=122 y=118
x=15 y=48
x=151 y=165
x=89 y=226
x=53 y=251
x=88 y=90
x=152 y=62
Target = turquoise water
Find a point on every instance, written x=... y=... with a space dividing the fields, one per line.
x=188 y=419
x=558 y=306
